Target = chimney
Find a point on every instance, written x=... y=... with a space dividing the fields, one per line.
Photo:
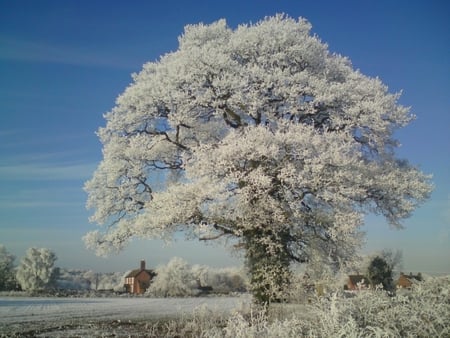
x=142 y=265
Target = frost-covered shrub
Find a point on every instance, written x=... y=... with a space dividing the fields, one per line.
x=36 y=271
x=179 y=279
x=173 y=280
x=422 y=312
x=221 y=280
x=203 y=323
x=258 y=326
x=109 y=281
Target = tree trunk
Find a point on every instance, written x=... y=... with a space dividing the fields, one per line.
x=268 y=263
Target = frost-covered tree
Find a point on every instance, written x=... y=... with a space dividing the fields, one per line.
x=6 y=269
x=173 y=280
x=70 y=279
x=228 y=280
x=36 y=271
x=109 y=281
x=221 y=280
x=380 y=272
x=393 y=258
x=258 y=134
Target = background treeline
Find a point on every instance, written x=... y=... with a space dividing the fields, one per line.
x=36 y=273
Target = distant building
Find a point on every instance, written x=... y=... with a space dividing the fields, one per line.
x=138 y=280
x=357 y=282
x=407 y=281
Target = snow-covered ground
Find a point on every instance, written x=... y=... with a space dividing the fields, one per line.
x=24 y=315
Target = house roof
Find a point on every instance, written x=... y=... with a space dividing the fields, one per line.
x=409 y=278
x=136 y=272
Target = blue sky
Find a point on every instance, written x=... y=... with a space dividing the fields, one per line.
x=63 y=63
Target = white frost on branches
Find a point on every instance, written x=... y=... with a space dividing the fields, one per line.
x=173 y=280
x=179 y=279
x=6 y=269
x=269 y=135
x=36 y=271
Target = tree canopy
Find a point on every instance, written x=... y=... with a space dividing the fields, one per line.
x=380 y=272
x=258 y=134
x=6 y=269
x=36 y=271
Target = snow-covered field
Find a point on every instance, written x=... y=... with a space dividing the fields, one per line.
x=64 y=317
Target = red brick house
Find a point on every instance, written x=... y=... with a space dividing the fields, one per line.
x=138 y=280
x=406 y=281
x=357 y=282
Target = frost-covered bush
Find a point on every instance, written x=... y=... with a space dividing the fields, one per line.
x=422 y=312
x=173 y=280
x=221 y=280
x=36 y=271
x=203 y=323
x=109 y=281
x=179 y=279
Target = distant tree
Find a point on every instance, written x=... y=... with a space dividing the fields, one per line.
x=36 y=271
x=380 y=272
x=175 y=279
x=6 y=269
x=221 y=280
x=109 y=281
x=228 y=280
x=393 y=258
x=70 y=279
x=201 y=274
x=257 y=134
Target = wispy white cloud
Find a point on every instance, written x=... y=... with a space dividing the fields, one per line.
x=19 y=162
x=37 y=51
x=28 y=204
x=77 y=143
x=42 y=197
x=46 y=171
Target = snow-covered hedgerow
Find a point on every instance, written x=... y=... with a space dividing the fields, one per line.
x=423 y=311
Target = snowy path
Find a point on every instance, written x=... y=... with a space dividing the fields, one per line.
x=22 y=314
